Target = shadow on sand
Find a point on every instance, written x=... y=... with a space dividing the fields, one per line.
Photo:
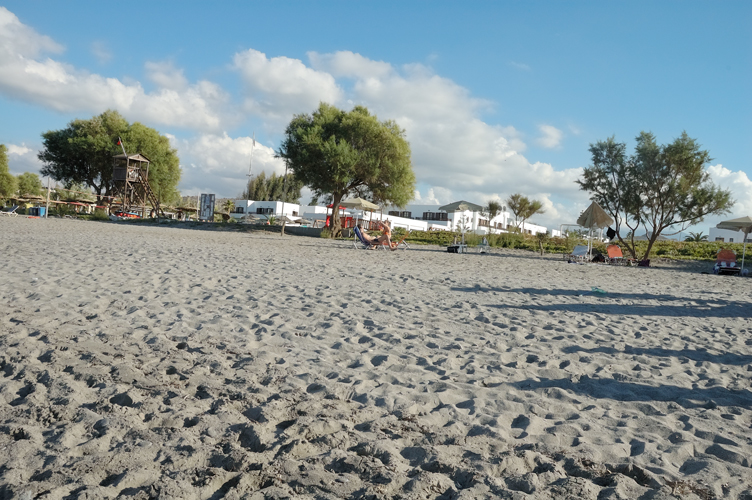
x=668 y=305
x=709 y=398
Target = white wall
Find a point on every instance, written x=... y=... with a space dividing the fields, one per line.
x=727 y=236
x=277 y=208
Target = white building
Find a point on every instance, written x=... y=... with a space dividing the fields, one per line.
x=276 y=208
x=727 y=235
x=411 y=217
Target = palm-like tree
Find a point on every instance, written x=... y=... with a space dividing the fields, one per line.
x=696 y=237
x=229 y=206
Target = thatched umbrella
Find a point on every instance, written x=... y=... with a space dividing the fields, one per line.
x=594 y=217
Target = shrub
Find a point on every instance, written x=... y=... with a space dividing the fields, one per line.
x=100 y=214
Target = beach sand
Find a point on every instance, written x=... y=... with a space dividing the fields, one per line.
x=147 y=361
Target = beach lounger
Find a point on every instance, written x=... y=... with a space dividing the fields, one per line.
x=11 y=212
x=579 y=254
x=725 y=262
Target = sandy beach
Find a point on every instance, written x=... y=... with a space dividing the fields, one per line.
x=147 y=361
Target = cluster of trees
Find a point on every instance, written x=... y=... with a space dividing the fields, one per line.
x=521 y=206
x=275 y=188
x=337 y=153
x=82 y=154
x=27 y=183
x=655 y=188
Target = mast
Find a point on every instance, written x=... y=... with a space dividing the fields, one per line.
x=253 y=145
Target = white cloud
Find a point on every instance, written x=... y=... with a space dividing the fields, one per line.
x=26 y=75
x=166 y=76
x=22 y=158
x=101 y=52
x=19 y=40
x=520 y=66
x=740 y=186
x=349 y=65
x=279 y=87
x=550 y=137
x=219 y=163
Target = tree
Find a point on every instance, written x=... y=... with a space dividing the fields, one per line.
x=261 y=188
x=696 y=237
x=8 y=183
x=523 y=208
x=228 y=205
x=29 y=184
x=492 y=210
x=337 y=153
x=656 y=188
x=82 y=153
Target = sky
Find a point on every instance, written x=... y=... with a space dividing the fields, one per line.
x=495 y=97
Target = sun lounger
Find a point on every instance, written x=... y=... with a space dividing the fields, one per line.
x=615 y=256
x=579 y=254
x=11 y=212
x=725 y=262
x=483 y=246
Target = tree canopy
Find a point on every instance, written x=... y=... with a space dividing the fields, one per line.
x=656 y=188
x=523 y=208
x=29 y=183
x=82 y=153
x=8 y=183
x=263 y=188
x=493 y=209
x=337 y=153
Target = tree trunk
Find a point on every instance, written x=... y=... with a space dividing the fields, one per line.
x=652 y=240
x=336 y=227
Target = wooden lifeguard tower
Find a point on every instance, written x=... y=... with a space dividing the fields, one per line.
x=130 y=174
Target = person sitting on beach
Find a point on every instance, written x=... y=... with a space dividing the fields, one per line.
x=384 y=239
x=367 y=239
x=386 y=234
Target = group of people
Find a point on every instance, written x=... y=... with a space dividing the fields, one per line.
x=384 y=239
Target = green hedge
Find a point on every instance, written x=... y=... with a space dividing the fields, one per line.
x=686 y=250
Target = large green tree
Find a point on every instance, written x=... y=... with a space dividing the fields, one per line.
x=263 y=188
x=339 y=153
x=29 y=184
x=83 y=153
x=656 y=188
x=8 y=183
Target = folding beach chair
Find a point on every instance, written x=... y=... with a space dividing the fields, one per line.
x=403 y=242
x=11 y=212
x=360 y=242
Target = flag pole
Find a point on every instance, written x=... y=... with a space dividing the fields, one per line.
x=250 y=166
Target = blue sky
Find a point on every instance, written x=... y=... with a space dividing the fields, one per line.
x=495 y=97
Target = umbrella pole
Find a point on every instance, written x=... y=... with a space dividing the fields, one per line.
x=744 y=250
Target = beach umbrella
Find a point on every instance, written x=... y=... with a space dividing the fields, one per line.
x=359 y=204
x=743 y=224
x=594 y=217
